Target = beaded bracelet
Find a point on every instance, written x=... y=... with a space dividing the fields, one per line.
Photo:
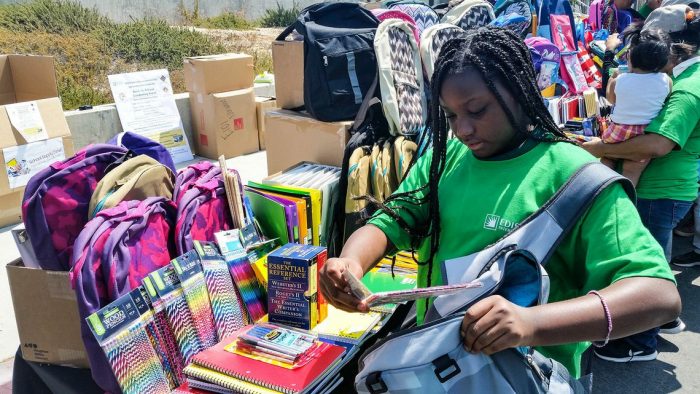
x=608 y=317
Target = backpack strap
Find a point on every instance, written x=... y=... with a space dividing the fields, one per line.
x=573 y=199
x=539 y=234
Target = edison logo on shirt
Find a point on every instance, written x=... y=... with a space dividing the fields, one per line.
x=495 y=222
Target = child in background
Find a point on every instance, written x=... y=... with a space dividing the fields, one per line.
x=638 y=95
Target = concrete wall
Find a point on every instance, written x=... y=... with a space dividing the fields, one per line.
x=170 y=10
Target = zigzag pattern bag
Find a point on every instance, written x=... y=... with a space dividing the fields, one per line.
x=400 y=77
x=433 y=40
x=470 y=14
x=430 y=358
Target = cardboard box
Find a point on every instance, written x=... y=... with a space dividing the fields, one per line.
x=263 y=104
x=224 y=123
x=27 y=79
x=292 y=137
x=47 y=316
x=288 y=64
x=219 y=73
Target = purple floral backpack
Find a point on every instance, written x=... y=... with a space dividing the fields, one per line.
x=202 y=206
x=117 y=249
x=56 y=201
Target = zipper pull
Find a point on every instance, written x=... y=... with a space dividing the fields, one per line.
x=535 y=367
x=325 y=61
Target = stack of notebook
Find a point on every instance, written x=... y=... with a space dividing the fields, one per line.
x=224 y=369
x=345 y=328
x=296 y=205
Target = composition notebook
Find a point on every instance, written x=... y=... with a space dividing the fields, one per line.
x=291 y=381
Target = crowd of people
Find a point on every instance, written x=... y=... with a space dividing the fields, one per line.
x=611 y=281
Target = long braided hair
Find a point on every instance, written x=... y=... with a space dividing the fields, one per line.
x=497 y=55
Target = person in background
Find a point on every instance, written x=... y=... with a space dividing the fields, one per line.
x=692 y=229
x=638 y=95
x=668 y=186
x=648 y=7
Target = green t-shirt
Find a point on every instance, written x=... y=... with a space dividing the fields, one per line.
x=645 y=11
x=675 y=176
x=480 y=201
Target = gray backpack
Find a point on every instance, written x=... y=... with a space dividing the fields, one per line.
x=430 y=358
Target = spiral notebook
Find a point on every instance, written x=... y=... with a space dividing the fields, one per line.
x=241 y=368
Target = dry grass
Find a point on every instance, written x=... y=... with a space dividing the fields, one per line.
x=87 y=47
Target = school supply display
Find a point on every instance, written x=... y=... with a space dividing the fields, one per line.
x=515 y=15
x=277 y=216
x=181 y=321
x=381 y=279
x=292 y=287
x=400 y=77
x=120 y=330
x=237 y=368
x=346 y=327
x=227 y=307
x=252 y=294
x=109 y=261
x=422 y=14
x=361 y=291
x=383 y=14
x=135 y=179
x=513 y=268
x=339 y=60
x=142 y=145
x=157 y=341
x=240 y=214
x=189 y=273
x=470 y=14
x=312 y=182
x=56 y=202
x=432 y=40
x=203 y=209
x=172 y=359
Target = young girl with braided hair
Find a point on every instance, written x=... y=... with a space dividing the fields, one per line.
x=508 y=159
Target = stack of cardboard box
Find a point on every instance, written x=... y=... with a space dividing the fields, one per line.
x=25 y=148
x=223 y=104
x=293 y=136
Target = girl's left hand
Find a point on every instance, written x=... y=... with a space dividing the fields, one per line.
x=494 y=324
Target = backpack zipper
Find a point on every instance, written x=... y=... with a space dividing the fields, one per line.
x=325 y=61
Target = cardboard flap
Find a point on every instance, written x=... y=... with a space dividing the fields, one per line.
x=51 y=112
x=33 y=76
x=7 y=85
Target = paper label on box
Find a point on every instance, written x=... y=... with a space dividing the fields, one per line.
x=26 y=118
x=24 y=161
x=146 y=106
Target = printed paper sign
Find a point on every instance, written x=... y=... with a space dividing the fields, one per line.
x=25 y=117
x=24 y=161
x=146 y=106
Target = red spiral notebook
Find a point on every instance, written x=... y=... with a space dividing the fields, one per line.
x=267 y=375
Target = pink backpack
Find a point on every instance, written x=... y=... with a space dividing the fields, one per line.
x=563 y=38
x=202 y=206
x=56 y=201
x=117 y=249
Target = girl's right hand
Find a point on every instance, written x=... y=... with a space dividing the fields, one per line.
x=335 y=288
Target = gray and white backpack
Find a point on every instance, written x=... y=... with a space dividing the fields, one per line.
x=470 y=14
x=432 y=41
x=400 y=78
x=430 y=358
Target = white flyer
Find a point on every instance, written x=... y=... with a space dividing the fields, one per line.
x=146 y=106
x=26 y=118
x=24 y=161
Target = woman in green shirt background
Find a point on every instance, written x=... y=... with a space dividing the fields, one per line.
x=669 y=185
x=509 y=158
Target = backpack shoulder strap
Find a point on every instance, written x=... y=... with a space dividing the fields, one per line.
x=574 y=198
